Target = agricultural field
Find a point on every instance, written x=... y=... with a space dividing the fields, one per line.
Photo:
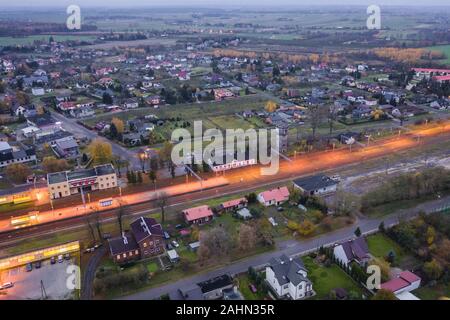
x=445 y=50
x=13 y=41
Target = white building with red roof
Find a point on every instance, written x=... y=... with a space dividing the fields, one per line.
x=274 y=197
x=402 y=285
x=198 y=215
x=234 y=204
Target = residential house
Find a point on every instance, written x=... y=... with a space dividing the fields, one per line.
x=211 y=289
x=66 y=148
x=274 y=197
x=402 y=285
x=15 y=154
x=222 y=94
x=316 y=185
x=144 y=240
x=288 y=278
x=232 y=205
x=198 y=215
x=131 y=104
x=149 y=236
x=354 y=250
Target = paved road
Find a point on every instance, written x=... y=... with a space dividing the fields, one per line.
x=71 y=125
x=290 y=248
x=89 y=273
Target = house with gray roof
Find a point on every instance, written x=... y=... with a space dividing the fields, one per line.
x=353 y=250
x=288 y=278
x=316 y=185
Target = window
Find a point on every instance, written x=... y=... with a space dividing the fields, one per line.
x=151 y=243
x=145 y=244
x=136 y=252
x=124 y=255
x=118 y=257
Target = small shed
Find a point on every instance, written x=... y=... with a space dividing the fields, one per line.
x=173 y=256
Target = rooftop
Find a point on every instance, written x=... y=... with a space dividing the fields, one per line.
x=312 y=183
x=197 y=213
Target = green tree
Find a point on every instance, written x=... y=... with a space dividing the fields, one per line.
x=384 y=294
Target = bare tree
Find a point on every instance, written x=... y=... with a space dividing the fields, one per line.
x=247 y=237
x=215 y=242
x=120 y=214
x=90 y=227
x=331 y=117
x=97 y=222
x=161 y=200
x=316 y=117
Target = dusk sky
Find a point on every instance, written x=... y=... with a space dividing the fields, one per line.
x=213 y=3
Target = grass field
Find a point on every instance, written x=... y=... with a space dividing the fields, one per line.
x=433 y=293
x=244 y=288
x=195 y=111
x=325 y=279
x=380 y=245
x=444 y=49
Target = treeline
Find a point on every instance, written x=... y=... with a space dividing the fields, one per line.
x=408 y=186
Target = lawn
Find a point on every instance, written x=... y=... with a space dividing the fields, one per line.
x=433 y=293
x=444 y=49
x=325 y=279
x=380 y=245
x=152 y=267
x=192 y=111
x=244 y=288
x=391 y=207
x=231 y=122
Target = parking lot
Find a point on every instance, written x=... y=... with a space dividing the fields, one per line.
x=28 y=285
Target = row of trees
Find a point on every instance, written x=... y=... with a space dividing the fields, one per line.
x=408 y=186
x=218 y=243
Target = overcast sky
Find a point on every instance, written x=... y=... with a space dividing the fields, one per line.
x=212 y=3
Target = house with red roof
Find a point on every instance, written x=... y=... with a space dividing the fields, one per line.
x=274 y=197
x=198 y=215
x=428 y=72
x=402 y=285
x=442 y=79
x=231 y=205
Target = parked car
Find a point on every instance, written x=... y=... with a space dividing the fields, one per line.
x=169 y=246
x=179 y=226
x=166 y=235
x=60 y=258
x=175 y=244
x=37 y=264
x=6 y=285
x=252 y=288
x=52 y=260
x=28 y=267
x=279 y=209
x=98 y=245
x=67 y=256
